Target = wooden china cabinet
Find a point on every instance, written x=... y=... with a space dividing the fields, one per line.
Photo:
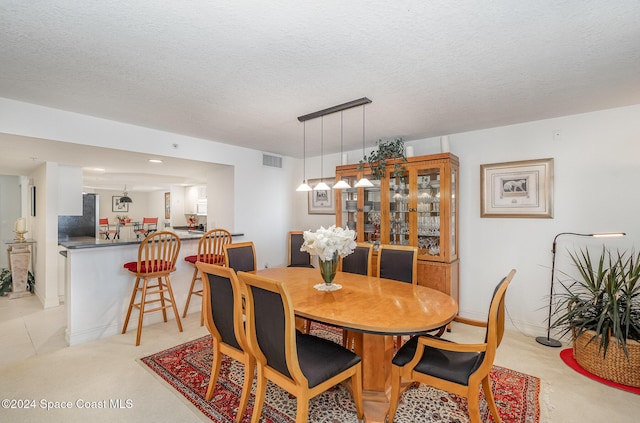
x=419 y=208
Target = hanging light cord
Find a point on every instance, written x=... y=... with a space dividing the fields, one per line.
x=322 y=149
x=304 y=152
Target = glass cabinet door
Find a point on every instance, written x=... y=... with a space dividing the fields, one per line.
x=428 y=211
x=348 y=199
x=399 y=208
x=371 y=212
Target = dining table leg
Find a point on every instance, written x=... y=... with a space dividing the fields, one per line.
x=376 y=352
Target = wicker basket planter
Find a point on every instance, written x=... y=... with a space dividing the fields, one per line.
x=615 y=367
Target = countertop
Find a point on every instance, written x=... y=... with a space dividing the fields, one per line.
x=90 y=242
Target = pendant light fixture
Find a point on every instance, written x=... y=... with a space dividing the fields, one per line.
x=341 y=184
x=363 y=182
x=304 y=186
x=321 y=186
x=321 y=113
x=125 y=196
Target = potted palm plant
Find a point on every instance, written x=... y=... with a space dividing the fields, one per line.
x=600 y=308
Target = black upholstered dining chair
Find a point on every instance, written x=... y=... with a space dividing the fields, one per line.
x=456 y=368
x=240 y=256
x=297 y=258
x=222 y=307
x=302 y=364
x=359 y=261
x=398 y=262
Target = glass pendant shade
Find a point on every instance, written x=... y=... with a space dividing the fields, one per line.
x=363 y=183
x=341 y=184
x=303 y=187
x=321 y=187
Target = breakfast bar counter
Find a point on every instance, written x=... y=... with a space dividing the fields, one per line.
x=98 y=288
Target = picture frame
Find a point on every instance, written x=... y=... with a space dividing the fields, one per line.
x=321 y=202
x=520 y=189
x=117 y=205
x=167 y=205
x=32 y=190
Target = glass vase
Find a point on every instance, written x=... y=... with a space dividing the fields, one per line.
x=328 y=269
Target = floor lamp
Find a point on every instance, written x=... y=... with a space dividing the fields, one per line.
x=547 y=340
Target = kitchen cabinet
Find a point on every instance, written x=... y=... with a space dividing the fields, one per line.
x=418 y=207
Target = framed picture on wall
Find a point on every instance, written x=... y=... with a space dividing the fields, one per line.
x=117 y=205
x=321 y=202
x=167 y=205
x=517 y=189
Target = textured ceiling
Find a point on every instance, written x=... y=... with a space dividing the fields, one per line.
x=240 y=72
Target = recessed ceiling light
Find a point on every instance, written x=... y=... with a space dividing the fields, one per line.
x=155 y=161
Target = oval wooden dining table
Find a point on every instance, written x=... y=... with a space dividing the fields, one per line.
x=376 y=310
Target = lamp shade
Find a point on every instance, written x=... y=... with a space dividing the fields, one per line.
x=321 y=187
x=303 y=187
x=341 y=184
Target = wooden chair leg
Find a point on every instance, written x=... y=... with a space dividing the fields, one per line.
x=302 y=405
x=163 y=306
x=193 y=282
x=215 y=371
x=356 y=391
x=261 y=390
x=173 y=304
x=488 y=395
x=473 y=403
x=249 y=370
x=143 y=300
x=133 y=298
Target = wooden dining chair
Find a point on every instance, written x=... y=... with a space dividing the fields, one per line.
x=398 y=262
x=359 y=262
x=148 y=226
x=297 y=362
x=240 y=256
x=105 y=229
x=157 y=256
x=297 y=258
x=456 y=368
x=222 y=307
x=209 y=251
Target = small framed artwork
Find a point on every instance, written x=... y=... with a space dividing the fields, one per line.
x=117 y=205
x=167 y=205
x=321 y=202
x=517 y=189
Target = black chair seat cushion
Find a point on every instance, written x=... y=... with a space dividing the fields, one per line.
x=156 y=266
x=452 y=366
x=214 y=259
x=301 y=265
x=321 y=359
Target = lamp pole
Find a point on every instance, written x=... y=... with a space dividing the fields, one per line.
x=547 y=340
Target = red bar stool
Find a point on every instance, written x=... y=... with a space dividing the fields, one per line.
x=157 y=256
x=210 y=251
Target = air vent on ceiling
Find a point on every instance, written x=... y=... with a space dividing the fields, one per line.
x=273 y=161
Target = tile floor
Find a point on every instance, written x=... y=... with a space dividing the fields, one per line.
x=36 y=365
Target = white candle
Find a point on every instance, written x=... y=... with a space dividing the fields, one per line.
x=409 y=151
x=345 y=158
x=21 y=225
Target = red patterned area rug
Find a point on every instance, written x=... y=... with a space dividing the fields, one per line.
x=187 y=367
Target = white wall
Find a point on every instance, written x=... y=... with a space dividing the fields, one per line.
x=597 y=166
x=11 y=210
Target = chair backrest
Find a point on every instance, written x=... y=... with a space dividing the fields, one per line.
x=398 y=262
x=495 y=321
x=222 y=304
x=241 y=256
x=271 y=332
x=158 y=253
x=151 y=222
x=104 y=221
x=210 y=247
x=297 y=257
x=359 y=261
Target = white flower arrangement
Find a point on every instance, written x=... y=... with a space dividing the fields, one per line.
x=325 y=242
